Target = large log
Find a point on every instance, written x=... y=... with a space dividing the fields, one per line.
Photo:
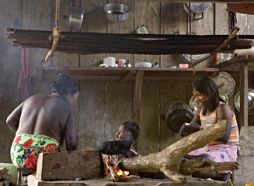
x=168 y=161
x=69 y=166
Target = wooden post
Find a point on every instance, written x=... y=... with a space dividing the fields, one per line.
x=244 y=94
x=137 y=96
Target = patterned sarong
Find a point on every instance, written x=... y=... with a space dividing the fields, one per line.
x=26 y=148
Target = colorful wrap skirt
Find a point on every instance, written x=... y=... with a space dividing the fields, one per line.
x=25 y=149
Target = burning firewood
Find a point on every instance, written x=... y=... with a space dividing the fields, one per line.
x=169 y=160
x=113 y=172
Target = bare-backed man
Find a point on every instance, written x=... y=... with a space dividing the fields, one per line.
x=43 y=122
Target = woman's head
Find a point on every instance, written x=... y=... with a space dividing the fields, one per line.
x=64 y=86
x=205 y=92
x=127 y=131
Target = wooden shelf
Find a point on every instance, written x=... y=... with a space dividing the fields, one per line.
x=234 y=65
x=125 y=74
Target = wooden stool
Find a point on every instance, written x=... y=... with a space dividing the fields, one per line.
x=23 y=172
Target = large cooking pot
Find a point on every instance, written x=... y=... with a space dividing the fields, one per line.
x=177 y=114
x=114 y=147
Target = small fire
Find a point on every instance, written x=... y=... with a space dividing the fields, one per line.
x=119 y=172
x=111 y=169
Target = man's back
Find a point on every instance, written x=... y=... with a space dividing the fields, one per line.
x=45 y=115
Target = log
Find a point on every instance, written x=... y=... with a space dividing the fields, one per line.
x=69 y=166
x=168 y=161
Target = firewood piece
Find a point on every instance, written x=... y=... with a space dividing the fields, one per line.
x=168 y=160
x=69 y=166
x=188 y=166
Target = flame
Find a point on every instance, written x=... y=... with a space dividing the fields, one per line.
x=119 y=172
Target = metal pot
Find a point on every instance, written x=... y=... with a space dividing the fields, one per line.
x=177 y=114
x=114 y=147
x=250 y=101
x=76 y=17
x=195 y=7
x=116 y=12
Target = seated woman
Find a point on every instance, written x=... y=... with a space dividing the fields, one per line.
x=211 y=110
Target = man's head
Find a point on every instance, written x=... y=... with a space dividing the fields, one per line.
x=127 y=131
x=64 y=86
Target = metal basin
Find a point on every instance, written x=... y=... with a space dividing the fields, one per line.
x=116 y=12
x=250 y=101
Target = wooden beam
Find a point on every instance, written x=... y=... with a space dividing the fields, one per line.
x=246 y=8
x=137 y=96
x=127 y=76
x=244 y=94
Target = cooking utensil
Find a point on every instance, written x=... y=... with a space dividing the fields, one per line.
x=115 y=147
x=76 y=17
x=143 y=64
x=188 y=58
x=196 y=9
x=225 y=84
x=250 y=101
x=116 y=12
x=177 y=114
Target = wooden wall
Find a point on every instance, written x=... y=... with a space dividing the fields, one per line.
x=104 y=105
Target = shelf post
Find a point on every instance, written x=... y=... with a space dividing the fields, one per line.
x=244 y=94
x=137 y=96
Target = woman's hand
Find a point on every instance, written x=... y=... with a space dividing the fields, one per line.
x=188 y=128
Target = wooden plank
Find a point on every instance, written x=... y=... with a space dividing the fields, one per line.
x=123 y=27
x=92 y=105
x=61 y=59
x=203 y=26
x=11 y=13
x=129 y=75
x=246 y=24
x=173 y=21
x=69 y=166
x=221 y=19
x=148 y=13
x=148 y=141
x=94 y=21
x=137 y=97
x=118 y=95
x=118 y=106
x=246 y=8
x=244 y=94
x=92 y=113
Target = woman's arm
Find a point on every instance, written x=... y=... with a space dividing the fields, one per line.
x=224 y=113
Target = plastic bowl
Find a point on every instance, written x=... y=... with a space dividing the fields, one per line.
x=143 y=64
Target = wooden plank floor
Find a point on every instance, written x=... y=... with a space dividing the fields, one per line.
x=32 y=181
